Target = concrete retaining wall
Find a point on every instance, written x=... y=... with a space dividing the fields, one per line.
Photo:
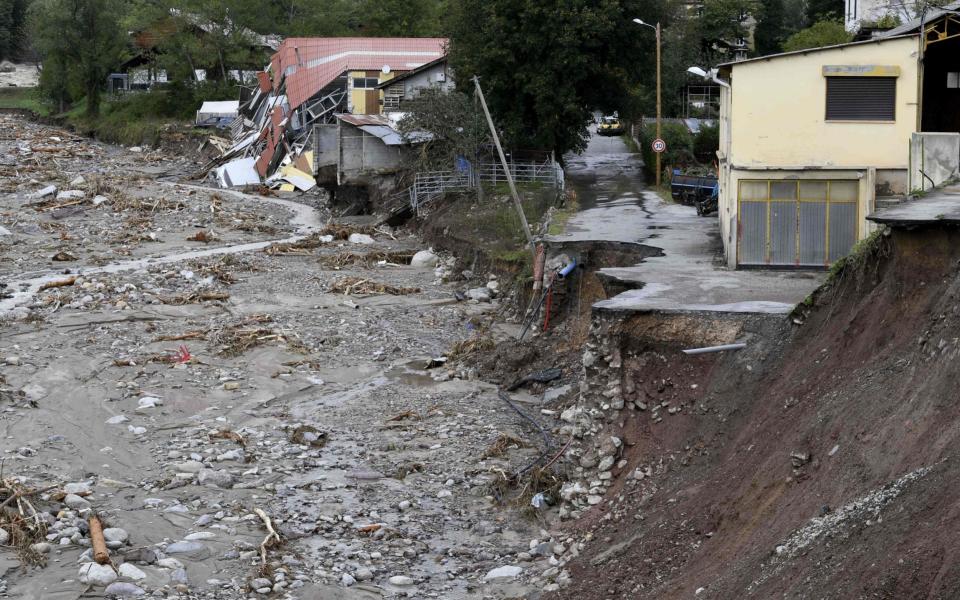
x=934 y=159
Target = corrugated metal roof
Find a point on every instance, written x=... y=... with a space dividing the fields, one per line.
x=730 y=65
x=385 y=129
x=412 y=72
x=913 y=26
x=361 y=120
x=387 y=135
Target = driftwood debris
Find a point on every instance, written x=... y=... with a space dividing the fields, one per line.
x=272 y=539
x=59 y=283
x=100 y=553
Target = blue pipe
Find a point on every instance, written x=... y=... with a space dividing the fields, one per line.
x=567 y=269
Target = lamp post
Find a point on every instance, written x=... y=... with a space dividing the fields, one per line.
x=657 y=30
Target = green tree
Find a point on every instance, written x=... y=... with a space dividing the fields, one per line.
x=455 y=123
x=80 y=41
x=824 y=33
x=544 y=65
x=400 y=18
x=824 y=10
x=725 y=22
x=770 y=32
x=13 y=14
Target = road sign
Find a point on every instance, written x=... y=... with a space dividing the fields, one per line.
x=659 y=145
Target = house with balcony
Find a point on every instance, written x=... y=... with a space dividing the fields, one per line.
x=811 y=141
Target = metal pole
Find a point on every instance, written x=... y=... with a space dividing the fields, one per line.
x=506 y=168
x=658 y=103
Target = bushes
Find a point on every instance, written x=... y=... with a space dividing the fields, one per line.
x=138 y=118
x=706 y=143
x=684 y=149
x=679 y=150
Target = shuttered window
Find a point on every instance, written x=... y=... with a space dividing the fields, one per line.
x=861 y=98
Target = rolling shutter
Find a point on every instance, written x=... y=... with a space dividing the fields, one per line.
x=861 y=98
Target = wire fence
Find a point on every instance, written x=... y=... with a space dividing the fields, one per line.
x=430 y=185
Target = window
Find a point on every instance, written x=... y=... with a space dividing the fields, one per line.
x=365 y=83
x=861 y=98
x=953 y=80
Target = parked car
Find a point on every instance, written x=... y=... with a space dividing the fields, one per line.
x=610 y=126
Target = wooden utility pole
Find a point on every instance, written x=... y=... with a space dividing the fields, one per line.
x=506 y=167
x=658 y=104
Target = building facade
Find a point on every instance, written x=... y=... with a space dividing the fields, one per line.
x=807 y=140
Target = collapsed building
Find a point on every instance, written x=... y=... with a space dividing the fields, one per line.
x=288 y=134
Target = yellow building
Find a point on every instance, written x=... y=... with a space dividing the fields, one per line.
x=364 y=97
x=806 y=140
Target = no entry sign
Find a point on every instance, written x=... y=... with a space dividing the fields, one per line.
x=659 y=145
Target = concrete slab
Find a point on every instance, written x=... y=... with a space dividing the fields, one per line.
x=690 y=276
x=941 y=205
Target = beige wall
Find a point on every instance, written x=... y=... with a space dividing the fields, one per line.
x=778 y=108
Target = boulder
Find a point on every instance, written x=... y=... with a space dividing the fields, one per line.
x=215 y=478
x=425 y=258
x=94 y=574
x=503 y=573
x=121 y=589
x=360 y=238
x=128 y=571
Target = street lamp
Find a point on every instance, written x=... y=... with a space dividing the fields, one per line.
x=657 y=30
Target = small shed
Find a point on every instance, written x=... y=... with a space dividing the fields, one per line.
x=369 y=146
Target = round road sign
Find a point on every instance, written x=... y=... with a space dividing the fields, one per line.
x=659 y=145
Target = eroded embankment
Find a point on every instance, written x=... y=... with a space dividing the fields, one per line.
x=819 y=462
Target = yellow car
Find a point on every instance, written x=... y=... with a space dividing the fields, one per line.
x=610 y=126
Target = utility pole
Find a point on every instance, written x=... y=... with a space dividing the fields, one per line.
x=506 y=167
x=658 y=104
x=659 y=108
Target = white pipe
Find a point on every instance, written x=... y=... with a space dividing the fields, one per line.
x=710 y=349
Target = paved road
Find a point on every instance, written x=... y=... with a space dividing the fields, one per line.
x=691 y=275
x=608 y=180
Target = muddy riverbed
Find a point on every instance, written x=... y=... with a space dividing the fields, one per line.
x=184 y=362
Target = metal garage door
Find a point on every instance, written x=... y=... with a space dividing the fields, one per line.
x=796 y=222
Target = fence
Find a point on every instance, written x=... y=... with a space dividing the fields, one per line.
x=429 y=185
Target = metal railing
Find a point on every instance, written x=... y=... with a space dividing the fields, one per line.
x=429 y=185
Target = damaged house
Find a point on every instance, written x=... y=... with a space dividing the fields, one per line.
x=291 y=128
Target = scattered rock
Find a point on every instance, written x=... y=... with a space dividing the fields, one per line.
x=76 y=502
x=400 y=580
x=425 y=258
x=216 y=478
x=94 y=574
x=505 y=572
x=360 y=238
x=43 y=193
x=122 y=589
x=479 y=294
x=68 y=195
x=128 y=571
x=115 y=534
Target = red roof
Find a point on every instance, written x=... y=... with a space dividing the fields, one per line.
x=310 y=64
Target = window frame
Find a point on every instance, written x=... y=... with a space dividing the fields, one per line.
x=866 y=119
x=366 y=81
